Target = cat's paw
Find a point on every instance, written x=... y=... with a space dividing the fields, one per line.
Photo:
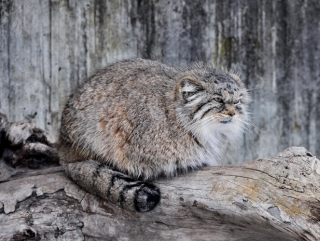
x=147 y=197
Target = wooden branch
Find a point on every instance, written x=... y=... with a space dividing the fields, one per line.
x=266 y=199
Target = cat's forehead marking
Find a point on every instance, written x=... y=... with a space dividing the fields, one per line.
x=222 y=78
x=229 y=96
x=230 y=91
x=229 y=86
x=211 y=75
x=222 y=83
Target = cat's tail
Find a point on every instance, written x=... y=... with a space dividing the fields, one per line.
x=98 y=178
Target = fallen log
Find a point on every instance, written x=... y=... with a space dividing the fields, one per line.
x=265 y=199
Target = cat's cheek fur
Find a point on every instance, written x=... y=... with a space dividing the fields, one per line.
x=216 y=138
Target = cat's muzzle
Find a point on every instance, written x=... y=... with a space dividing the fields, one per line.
x=226 y=120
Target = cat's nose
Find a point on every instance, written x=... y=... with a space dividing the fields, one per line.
x=231 y=112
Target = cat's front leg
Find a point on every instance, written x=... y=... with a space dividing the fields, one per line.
x=98 y=178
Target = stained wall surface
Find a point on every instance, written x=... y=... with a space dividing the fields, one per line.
x=49 y=46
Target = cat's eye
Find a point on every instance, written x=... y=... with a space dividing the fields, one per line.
x=236 y=102
x=218 y=99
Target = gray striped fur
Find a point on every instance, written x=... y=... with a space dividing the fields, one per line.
x=138 y=119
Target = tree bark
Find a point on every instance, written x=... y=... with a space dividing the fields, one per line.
x=265 y=199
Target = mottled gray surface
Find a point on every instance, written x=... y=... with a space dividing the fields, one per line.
x=48 y=47
x=263 y=200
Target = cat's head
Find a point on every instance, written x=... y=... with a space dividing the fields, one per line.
x=211 y=100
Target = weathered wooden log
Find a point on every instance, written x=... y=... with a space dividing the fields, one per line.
x=266 y=199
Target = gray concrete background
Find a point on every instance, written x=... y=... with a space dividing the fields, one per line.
x=49 y=46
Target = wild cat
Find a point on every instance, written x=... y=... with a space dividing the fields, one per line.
x=138 y=119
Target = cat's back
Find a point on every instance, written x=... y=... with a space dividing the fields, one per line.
x=128 y=100
x=122 y=81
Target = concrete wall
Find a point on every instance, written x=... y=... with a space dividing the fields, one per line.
x=49 y=46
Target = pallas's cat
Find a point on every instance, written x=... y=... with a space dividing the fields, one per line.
x=138 y=119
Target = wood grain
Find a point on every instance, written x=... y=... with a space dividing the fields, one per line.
x=265 y=199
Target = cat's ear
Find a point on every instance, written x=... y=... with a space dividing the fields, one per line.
x=188 y=87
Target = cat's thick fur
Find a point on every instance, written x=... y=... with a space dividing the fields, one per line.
x=138 y=119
